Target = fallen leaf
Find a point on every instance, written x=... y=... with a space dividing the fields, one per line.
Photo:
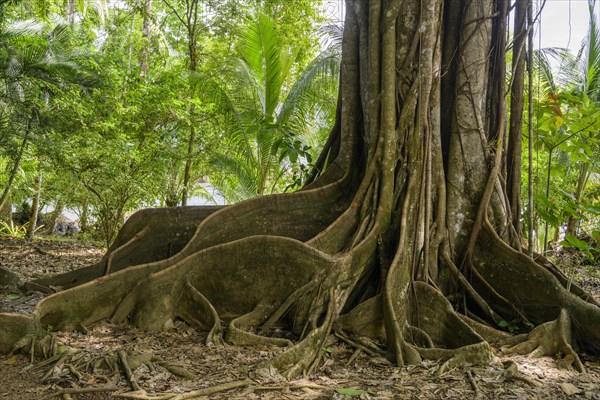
x=11 y=361
x=350 y=392
x=569 y=388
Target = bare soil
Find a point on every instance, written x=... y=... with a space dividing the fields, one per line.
x=180 y=350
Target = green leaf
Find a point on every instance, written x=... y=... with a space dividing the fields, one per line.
x=351 y=392
x=572 y=241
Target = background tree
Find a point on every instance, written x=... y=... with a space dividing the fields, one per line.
x=567 y=135
x=35 y=67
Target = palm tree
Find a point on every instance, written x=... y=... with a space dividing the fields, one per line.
x=270 y=124
x=583 y=75
x=33 y=64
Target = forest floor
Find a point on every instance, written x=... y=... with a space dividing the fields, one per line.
x=344 y=372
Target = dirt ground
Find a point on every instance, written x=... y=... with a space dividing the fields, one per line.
x=175 y=364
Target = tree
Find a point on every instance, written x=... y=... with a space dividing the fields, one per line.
x=34 y=66
x=567 y=127
x=406 y=211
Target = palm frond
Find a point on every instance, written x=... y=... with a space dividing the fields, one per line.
x=541 y=60
x=316 y=87
x=235 y=180
x=592 y=60
x=261 y=50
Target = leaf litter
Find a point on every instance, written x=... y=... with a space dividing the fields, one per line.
x=176 y=361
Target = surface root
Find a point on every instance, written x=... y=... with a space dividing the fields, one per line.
x=550 y=339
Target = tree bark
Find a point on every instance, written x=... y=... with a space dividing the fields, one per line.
x=413 y=166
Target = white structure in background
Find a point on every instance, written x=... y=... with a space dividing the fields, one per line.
x=215 y=198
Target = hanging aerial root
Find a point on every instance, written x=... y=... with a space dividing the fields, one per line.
x=284 y=307
x=550 y=339
x=454 y=341
x=468 y=288
x=238 y=332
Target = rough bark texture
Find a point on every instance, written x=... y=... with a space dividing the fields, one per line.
x=412 y=213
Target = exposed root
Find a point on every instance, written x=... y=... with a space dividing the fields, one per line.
x=468 y=288
x=472 y=382
x=238 y=332
x=70 y=391
x=550 y=339
x=175 y=369
x=535 y=291
x=474 y=354
x=304 y=357
x=441 y=326
x=224 y=387
x=293 y=298
x=196 y=309
x=142 y=395
x=366 y=319
x=167 y=231
x=130 y=377
x=491 y=335
x=370 y=351
x=564 y=280
x=419 y=337
x=111 y=255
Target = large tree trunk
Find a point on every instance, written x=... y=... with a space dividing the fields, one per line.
x=411 y=212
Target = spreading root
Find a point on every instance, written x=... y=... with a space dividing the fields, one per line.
x=293 y=283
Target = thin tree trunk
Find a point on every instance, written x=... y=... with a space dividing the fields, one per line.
x=31 y=227
x=530 y=241
x=13 y=172
x=573 y=221
x=83 y=219
x=58 y=209
x=189 y=161
x=192 y=26
x=549 y=169
x=6 y=209
x=71 y=12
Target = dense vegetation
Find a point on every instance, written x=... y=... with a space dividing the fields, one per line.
x=408 y=228
x=111 y=107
